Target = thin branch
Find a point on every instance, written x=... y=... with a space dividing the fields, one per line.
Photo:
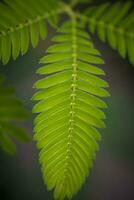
x=29 y=22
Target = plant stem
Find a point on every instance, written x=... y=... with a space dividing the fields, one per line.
x=68 y=9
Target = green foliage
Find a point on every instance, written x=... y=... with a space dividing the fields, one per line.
x=69 y=109
x=11 y=110
x=22 y=21
x=17 y=29
x=115 y=24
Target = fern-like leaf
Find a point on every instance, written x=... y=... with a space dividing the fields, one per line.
x=70 y=109
x=22 y=21
x=11 y=110
x=115 y=24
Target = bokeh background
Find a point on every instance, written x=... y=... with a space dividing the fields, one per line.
x=112 y=177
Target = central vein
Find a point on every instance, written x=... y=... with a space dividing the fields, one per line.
x=72 y=97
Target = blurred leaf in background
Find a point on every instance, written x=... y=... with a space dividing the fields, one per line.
x=11 y=110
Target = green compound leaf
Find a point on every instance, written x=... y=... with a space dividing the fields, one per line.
x=114 y=24
x=69 y=109
x=11 y=111
x=22 y=21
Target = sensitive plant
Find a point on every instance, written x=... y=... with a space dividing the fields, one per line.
x=71 y=92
